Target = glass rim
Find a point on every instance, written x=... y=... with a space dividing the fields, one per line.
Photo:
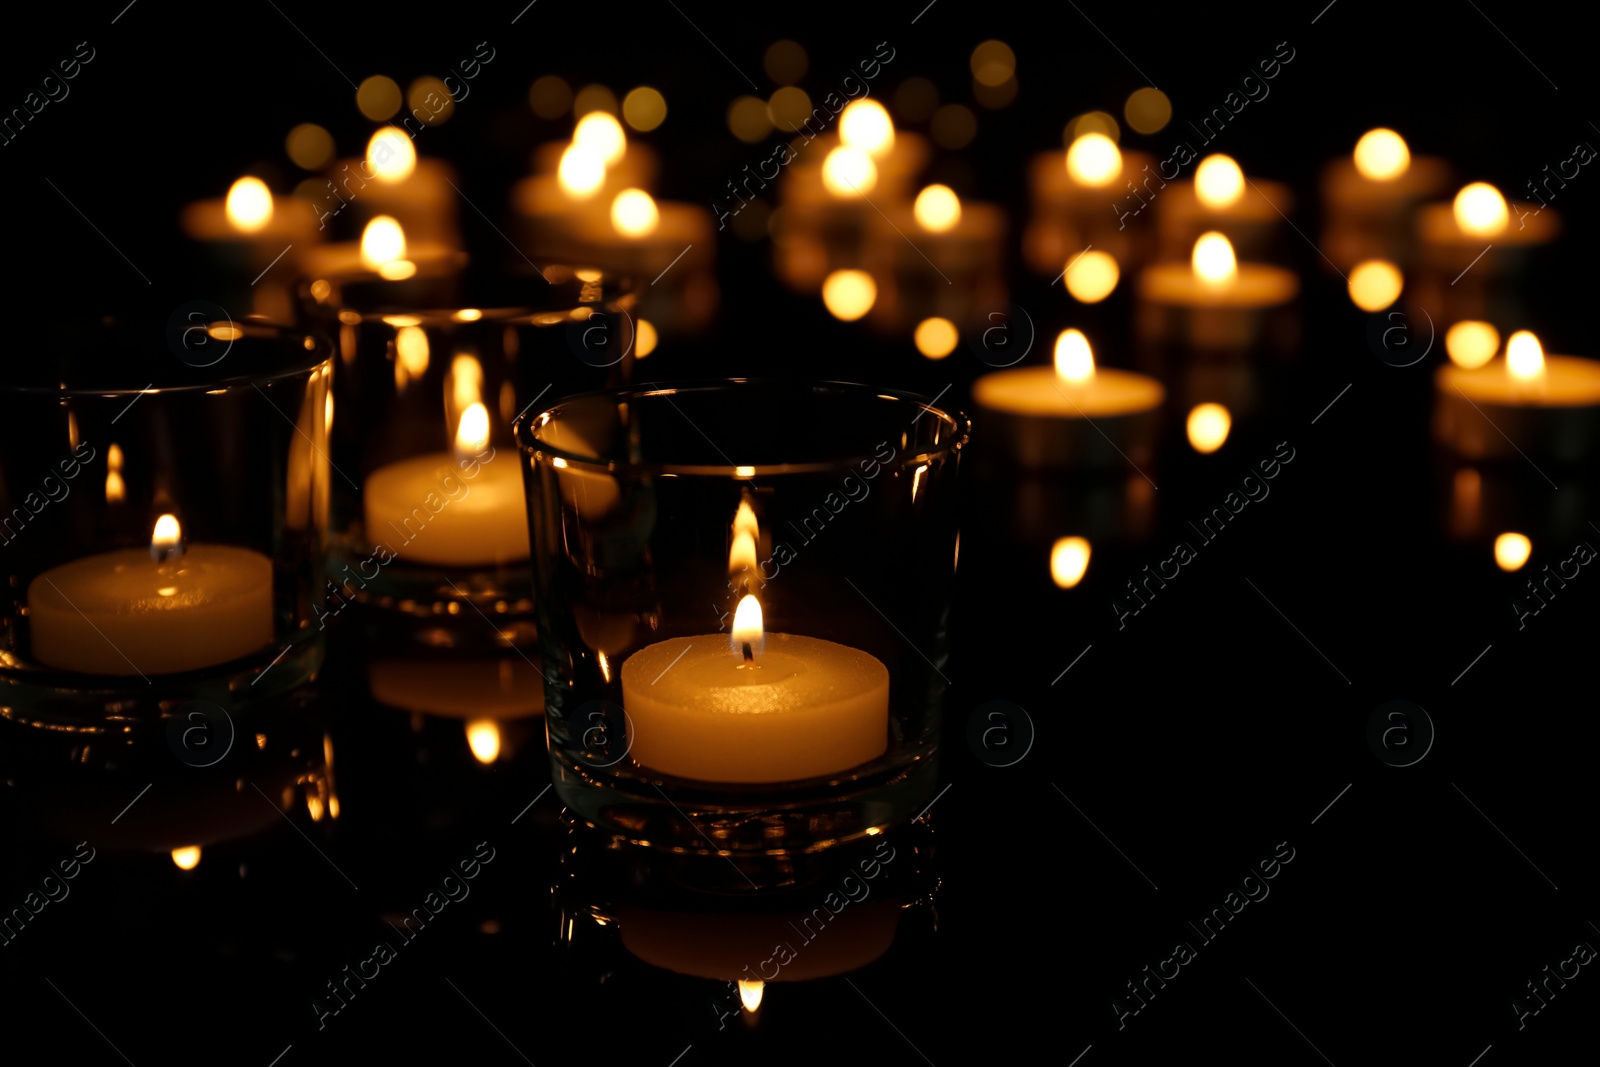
x=319 y=353
x=524 y=427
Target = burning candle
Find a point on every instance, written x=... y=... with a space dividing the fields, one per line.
x=1248 y=212
x=1073 y=412
x=247 y=232
x=1370 y=196
x=392 y=180
x=454 y=510
x=1091 y=194
x=1213 y=300
x=757 y=708
x=1527 y=403
x=161 y=610
x=939 y=257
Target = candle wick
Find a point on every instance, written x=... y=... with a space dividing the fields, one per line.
x=749 y=655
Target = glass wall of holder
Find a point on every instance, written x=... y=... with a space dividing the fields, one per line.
x=163 y=513
x=744 y=590
x=429 y=518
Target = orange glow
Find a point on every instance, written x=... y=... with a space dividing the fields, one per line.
x=472 y=435
x=1375 y=284
x=1381 y=155
x=849 y=172
x=186 y=858
x=1511 y=551
x=1092 y=276
x=1208 y=427
x=1069 y=559
x=1094 y=160
x=1524 y=357
x=483 y=737
x=167 y=535
x=849 y=294
x=936 y=337
x=865 y=124
x=634 y=213
x=392 y=155
x=582 y=170
x=937 y=209
x=646 y=341
x=1213 y=260
x=1218 y=182
x=249 y=205
x=750 y=991
x=382 y=242
x=747 y=624
x=1073 y=357
x=603 y=133
x=1480 y=210
x=1471 y=344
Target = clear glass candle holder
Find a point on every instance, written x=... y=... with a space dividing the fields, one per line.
x=164 y=493
x=744 y=590
x=429 y=520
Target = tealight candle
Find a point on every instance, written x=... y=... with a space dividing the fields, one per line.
x=1369 y=198
x=245 y=234
x=1470 y=248
x=761 y=708
x=1527 y=404
x=161 y=610
x=939 y=257
x=451 y=510
x=394 y=181
x=1072 y=413
x=1248 y=212
x=1088 y=195
x=1213 y=301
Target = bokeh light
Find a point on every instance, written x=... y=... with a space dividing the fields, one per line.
x=1471 y=344
x=1375 y=284
x=1069 y=559
x=954 y=126
x=309 y=146
x=1511 y=550
x=937 y=209
x=1207 y=426
x=1480 y=210
x=849 y=294
x=1147 y=110
x=1381 y=155
x=936 y=338
x=550 y=97
x=1092 y=276
x=378 y=97
x=1094 y=160
x=644 y=109
x=785 y=62
x=993 y=63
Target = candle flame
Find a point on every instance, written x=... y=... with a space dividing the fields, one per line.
x=382 y=242
x=466 y=381
x=1480 y=210
x=391 y=155
x=483 y=737
x=1208 y=427
x=603 y=133
x=849 y=294
x=1069 y=558
x=747 y=624
x=1074 y=359
x=865 y=124
x=187 y=858
x=634 y=213
x=166 y=539
x=1524 y=357
x=472 y=435
x=1092 y=276
x=849 y=171
x=1213 y=259
x=1471 y=344
x=937 y=209
x=1374 y=284
x=1218 y=182
x=582 y=171
x=1094 y=159
x=936 y=337
x=116 y=491
x=411 y=351
x=1511 y=551
x=1381 y=155
x=750 y=993
x=249 y=205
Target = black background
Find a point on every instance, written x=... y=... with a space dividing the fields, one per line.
x=1190 y=743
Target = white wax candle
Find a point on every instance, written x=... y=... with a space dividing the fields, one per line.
x=124 y=613
x=440 y=510
x=803 y=707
